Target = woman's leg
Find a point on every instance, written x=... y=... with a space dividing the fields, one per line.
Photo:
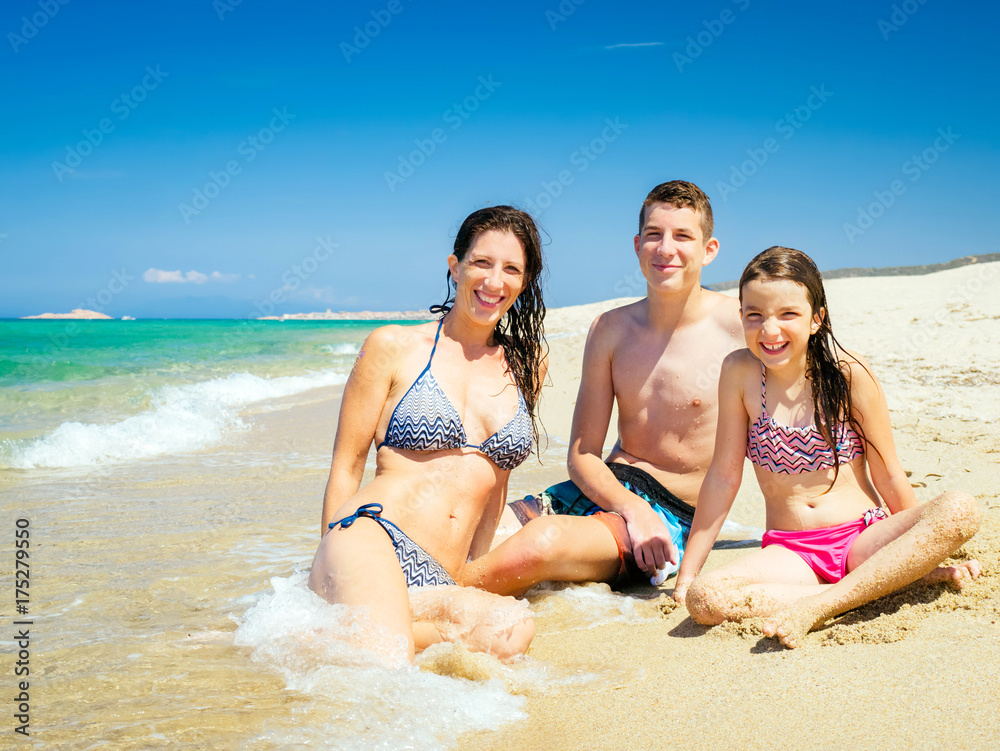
x=886 y=556
x=483 y=622
x=550 y=548
x=358 y=567
x=757 y=584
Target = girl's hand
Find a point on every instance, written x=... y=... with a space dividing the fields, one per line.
x=680 y=590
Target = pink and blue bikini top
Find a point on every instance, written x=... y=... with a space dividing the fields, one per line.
x=426 y=420
x=792 y=451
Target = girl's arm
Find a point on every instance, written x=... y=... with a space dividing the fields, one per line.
x=872 y=412
x=365 y=394
x=725 y=473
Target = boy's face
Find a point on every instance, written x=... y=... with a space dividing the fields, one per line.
x=671 y=249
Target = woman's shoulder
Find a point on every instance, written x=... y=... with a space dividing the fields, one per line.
x=395 y=336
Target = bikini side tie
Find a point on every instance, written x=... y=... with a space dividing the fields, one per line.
x=370 y=510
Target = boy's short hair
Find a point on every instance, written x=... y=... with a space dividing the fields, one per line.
x=681 y=194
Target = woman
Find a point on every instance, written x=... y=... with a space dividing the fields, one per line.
x=451 y=405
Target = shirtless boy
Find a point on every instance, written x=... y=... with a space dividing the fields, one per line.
x=660 y=359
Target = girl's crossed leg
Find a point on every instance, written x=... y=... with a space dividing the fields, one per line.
x=885 y=557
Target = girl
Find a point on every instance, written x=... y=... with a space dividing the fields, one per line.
x=811 y=418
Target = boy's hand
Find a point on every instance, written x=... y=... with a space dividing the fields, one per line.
x=652 y=545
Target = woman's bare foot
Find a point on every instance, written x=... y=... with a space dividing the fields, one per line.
x=957 y=576
x=789 y=626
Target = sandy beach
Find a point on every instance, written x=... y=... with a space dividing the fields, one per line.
x=170 y=612
x=917 y=670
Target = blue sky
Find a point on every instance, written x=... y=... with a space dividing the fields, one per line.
x=204 y=159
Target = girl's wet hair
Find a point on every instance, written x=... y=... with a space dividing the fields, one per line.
x=520 y=331
x=828 y=373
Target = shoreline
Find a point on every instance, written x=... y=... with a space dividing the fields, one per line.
x=851 y=272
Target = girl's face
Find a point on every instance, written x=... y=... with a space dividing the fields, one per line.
x=490 y=276
x=778 y=321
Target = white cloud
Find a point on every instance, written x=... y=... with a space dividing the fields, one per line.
x=158 y=276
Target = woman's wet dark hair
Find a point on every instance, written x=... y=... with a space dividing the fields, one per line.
x=831 y=386
x=520 y=331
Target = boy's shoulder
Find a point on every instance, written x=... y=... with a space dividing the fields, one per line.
x=619 y=320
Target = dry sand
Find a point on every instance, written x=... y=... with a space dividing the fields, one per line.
x=917 y=670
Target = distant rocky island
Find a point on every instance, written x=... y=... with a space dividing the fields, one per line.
x=78 y=313
x=354 y=315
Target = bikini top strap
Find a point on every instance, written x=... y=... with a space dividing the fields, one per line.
x=436 y=337
x=763 y=387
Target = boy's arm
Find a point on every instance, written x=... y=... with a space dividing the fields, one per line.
x=870 y=408
x=365 y=394
x=651 y=542
x=725 y=474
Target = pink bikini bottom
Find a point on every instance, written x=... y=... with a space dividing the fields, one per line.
x=826 y=549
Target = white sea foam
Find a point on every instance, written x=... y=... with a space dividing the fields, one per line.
x=363 y=704
x=341 y=349
x=585 y=606
x=183 y=418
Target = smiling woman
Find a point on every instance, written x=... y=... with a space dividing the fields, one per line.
x=454 y=405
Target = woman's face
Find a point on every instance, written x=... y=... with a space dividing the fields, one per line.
x=490 y=276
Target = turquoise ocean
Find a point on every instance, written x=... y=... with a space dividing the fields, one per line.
x=77 y=393
x=171 y=476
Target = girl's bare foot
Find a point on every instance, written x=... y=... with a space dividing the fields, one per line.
x=789 y=626
x=957 y=576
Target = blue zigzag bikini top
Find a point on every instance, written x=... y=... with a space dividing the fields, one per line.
x=426 y=420
x=792 y=451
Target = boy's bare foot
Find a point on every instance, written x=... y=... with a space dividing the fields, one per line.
x=791 y=625
x=957 y=576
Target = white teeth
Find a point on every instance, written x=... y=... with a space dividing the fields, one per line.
x=772 y=347
x=488 y=298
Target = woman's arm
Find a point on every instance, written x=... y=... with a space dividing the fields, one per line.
x=365 y=395
x=725 y=473
x=482 y=540
x=872 y=412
